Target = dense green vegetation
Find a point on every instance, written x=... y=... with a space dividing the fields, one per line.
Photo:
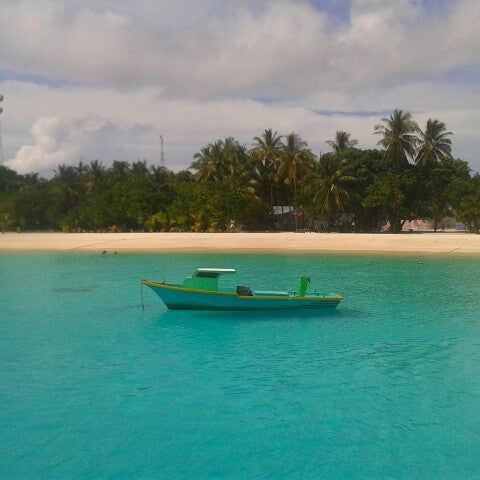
x=231 y=186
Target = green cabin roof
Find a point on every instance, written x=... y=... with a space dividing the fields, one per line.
x=206 y=278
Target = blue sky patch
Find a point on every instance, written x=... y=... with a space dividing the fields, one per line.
x=352 y=113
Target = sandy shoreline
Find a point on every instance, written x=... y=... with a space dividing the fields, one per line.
x=451 y=243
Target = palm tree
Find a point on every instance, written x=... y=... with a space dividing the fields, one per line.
x=81 y=168
x=229 y=146
x=159 y=174
x=184 y=176
x=210 y=162
x=96 y=175
x=266 y=151
x=342 y=142
x=139 y=168
x=295 y=161
x=200 y=159
x=330 y=183
x=30 y=178
x=433 y=144
x=240 y=171
x=398 y=138
x=266 y=148
x=120 y=169
x=65 y=186
x=160 y=178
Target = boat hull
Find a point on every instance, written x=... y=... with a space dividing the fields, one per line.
x=177 y=298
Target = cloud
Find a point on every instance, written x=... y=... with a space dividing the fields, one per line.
x=53 y=145
x=84 y=74
x=57 y=141
x=109 y=124
x=237 y=49
x=77 y=125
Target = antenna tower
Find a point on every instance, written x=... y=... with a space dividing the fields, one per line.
x=162 y=153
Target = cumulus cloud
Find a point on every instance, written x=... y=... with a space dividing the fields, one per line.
x=187 y=125
x=80 y=128
x=57 y=141
x=280 y=49
x=84 y=74
x=53 y=145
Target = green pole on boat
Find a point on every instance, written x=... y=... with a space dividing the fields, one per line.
x=304 y=281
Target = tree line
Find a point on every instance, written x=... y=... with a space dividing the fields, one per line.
x=232 y=186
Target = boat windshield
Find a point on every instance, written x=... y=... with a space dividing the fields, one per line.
x=207 y=274
x=212 y=272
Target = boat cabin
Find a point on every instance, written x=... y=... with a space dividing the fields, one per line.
x=206 y=278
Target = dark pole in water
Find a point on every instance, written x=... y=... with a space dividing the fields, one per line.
x=141 y=293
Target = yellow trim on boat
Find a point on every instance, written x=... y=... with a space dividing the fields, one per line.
x=246 y=297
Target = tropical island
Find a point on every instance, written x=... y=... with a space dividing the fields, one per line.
x=276 y=183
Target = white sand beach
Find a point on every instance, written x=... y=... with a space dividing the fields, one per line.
x=448 y=243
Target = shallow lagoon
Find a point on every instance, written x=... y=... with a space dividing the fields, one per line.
x=387 y=386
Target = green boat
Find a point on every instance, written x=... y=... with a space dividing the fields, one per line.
x=201 y=291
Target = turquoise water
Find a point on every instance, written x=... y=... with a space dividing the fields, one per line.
x=386 y=387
